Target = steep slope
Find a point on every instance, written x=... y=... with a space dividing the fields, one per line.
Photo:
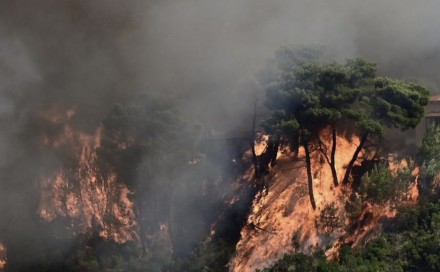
x=282 y=220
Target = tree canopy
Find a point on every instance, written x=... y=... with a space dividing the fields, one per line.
x=310 y=95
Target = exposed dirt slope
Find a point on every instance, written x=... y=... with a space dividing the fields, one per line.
x=283 y=221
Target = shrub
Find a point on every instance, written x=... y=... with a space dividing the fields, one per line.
x=378 y=185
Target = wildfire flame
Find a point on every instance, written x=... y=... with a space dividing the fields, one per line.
x=93 y=201
x=282 y=220
x=2 y=256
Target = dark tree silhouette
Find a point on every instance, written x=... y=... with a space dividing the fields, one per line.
x=307 y=97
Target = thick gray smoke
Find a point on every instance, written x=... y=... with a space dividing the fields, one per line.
x=92 y=53
x=89 y=55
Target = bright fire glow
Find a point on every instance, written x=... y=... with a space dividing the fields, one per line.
x=93 y=201
x=283 y=221
x=2 y=256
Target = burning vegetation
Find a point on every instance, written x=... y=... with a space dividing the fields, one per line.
x=283 y=220
x=144 y=137
x=92 y=200
x=317 y=182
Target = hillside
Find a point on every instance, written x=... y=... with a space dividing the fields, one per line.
x=282 y=220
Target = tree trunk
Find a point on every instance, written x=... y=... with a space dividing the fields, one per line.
x=309 y=174
x=332 y=158
x=274 y=152
x=354 y=158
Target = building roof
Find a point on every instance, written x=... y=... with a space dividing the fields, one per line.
x=434 y=98
x=433 y=114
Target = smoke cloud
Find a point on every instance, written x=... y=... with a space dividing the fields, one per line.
x=92 y=54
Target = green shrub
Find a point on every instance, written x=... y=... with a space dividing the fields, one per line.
x=378 y=185
x=353 y=207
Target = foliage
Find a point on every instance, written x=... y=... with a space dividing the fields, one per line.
x=353 y=207
x=312 y=96
x=329 y=218
x=378 y=184
x=150 y=136
x=414 y=247
x=94 y=255
x=149 y=146
x=293 y=263
x=430 y=147
x=177 y=193
x=428 y=172
x=309 y=95
x=399 y=104
x=429 y=158
x=411 y=242
x=209 y=257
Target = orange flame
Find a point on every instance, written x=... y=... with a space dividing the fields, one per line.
x=81 y=192
x=2 y=256
x=282 y=221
